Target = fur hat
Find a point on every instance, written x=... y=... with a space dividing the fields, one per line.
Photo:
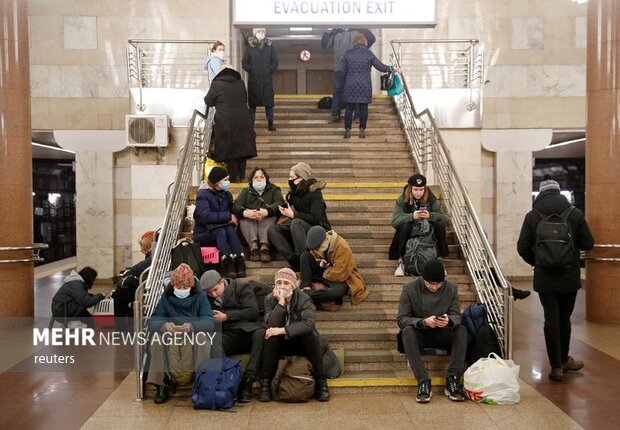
x=315 y=237
x=216 y=174
x=433 y=271
x=417 y=180
x=548 y=184
x=286 y=274
x=183 y=277
x=302 y=170
x=209 y=280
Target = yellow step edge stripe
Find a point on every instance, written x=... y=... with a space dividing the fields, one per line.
x=380 y=382
x=338 y=185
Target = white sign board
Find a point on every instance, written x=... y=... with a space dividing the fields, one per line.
x=331 y=13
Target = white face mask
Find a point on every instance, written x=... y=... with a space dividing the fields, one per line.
x=284 y=293
x=260 y=35
x=220 y=54
x=181 y=294
x=259 y=185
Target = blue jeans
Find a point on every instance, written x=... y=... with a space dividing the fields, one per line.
x=268 y=113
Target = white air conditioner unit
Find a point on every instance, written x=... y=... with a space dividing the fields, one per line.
x=147 y=130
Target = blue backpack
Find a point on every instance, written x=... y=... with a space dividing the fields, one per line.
x=216 y=384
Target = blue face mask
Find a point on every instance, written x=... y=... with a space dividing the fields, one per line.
x=224 y=185
x=182 y=294
x=259 y=186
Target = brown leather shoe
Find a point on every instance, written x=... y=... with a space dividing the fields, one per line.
x=254 y=252
x=572 y=365
x=557 y=374
x=265 y=257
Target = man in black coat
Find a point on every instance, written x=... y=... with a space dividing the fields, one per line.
x=557 y=288
x=235 y=308
x=234 y=136
x=260 y=60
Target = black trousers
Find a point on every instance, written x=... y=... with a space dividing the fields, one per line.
x=243 y=342
x=302 y=346
x=360 y=109
x=558 y=308
x=311 y=272
x=452 y=339
x=403 y=233
x=236 y=169
x=289 y=239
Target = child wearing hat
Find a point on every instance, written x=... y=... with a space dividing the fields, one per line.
x=417 y=202
x=215 y=223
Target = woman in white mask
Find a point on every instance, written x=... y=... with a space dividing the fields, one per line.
x=183 y=307
x=215 y=60
x=256 y=208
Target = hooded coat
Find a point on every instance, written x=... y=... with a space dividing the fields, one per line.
x=343 y=267
x=549 y=280
x=73 y=297
x=310 y=205
x=234 y=136
x=260 y=62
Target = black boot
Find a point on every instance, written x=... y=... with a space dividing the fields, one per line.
x=162 y=394
x=362 y=133
x=520 y=294
x=228 y=267
x=347 y=133
x=245 y=392
x=270 y=125
x=264 y=394
x=240 y=266
x=321 y=392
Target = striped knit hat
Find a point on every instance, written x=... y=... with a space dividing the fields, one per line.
x=548 y=184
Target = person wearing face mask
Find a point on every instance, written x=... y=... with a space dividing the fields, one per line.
x=290 y=320
x=329 y=271
x=234 y=138
x=260 y=60
x=304 y=208
x=416 y=202
x=183 y=307
x=215 y=60
x=256 y=208
x=215 y=223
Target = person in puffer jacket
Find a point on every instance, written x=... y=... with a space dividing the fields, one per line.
x=72 y=300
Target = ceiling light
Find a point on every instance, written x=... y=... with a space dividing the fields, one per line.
x=300 y=29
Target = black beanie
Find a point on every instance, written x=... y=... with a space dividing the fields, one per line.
x=433 y=271
x=417 y=180
x=216 y=174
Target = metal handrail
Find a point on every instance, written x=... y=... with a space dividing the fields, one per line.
x=429 y=149
x=148 y=293
x=35 y=258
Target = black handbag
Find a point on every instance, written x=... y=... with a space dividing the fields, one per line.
x=387 y=81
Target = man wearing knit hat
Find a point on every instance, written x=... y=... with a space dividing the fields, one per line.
x=289 y=315
x=304 y=208
x=556 y=286
x=234 y=306
x=429 y=316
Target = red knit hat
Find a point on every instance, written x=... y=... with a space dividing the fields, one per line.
x=286 y=274
x=148 y=234
x=183 y=277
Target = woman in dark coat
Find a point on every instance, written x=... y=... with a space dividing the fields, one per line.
x=234 y=136
x=358 y=62
x=304 y=208
x=215 y=223
x=260 y=61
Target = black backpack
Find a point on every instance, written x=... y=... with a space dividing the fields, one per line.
x=484 y=343
x=190 y=254
x=420 y=249
x=325 y=103
x=555 y=247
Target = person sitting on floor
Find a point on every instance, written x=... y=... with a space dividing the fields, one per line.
x=234 y=306
x=304 y=208
x=289 y=315
x=183 y=307
x=329 y=271
x=429 y=316
x=416 y=202
x=72 y=300
x=215 y=222
x=256 y=208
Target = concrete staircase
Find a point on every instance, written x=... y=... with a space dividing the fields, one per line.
x=364 y=177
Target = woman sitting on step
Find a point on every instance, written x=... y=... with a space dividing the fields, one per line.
x=215 y=223
x=416 y=202
x=256 y=208
x=303 y=209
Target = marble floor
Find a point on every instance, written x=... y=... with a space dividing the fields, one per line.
x=105 y=399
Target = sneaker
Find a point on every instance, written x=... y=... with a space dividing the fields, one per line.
x=556 y=374
x=572 y=365
x=400 y=270
x=424 y=392
x=453 y=388
x=240 y=266
x=254 y=253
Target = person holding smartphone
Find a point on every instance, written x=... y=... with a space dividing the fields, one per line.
x=429 y=316
x=417 y=202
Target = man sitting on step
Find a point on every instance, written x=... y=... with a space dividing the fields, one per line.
x=234 y=306
x=429 y=316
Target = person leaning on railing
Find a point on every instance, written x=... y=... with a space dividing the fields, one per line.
x=416 y=202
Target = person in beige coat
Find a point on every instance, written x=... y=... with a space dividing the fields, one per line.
x=329 y=271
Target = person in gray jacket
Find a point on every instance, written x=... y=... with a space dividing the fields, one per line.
x=72 y=300
x=429 y=316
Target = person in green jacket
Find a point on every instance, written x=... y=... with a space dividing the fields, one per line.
x=416 y=202
x=256 y=208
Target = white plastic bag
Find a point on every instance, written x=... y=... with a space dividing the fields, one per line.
x=493 y=381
